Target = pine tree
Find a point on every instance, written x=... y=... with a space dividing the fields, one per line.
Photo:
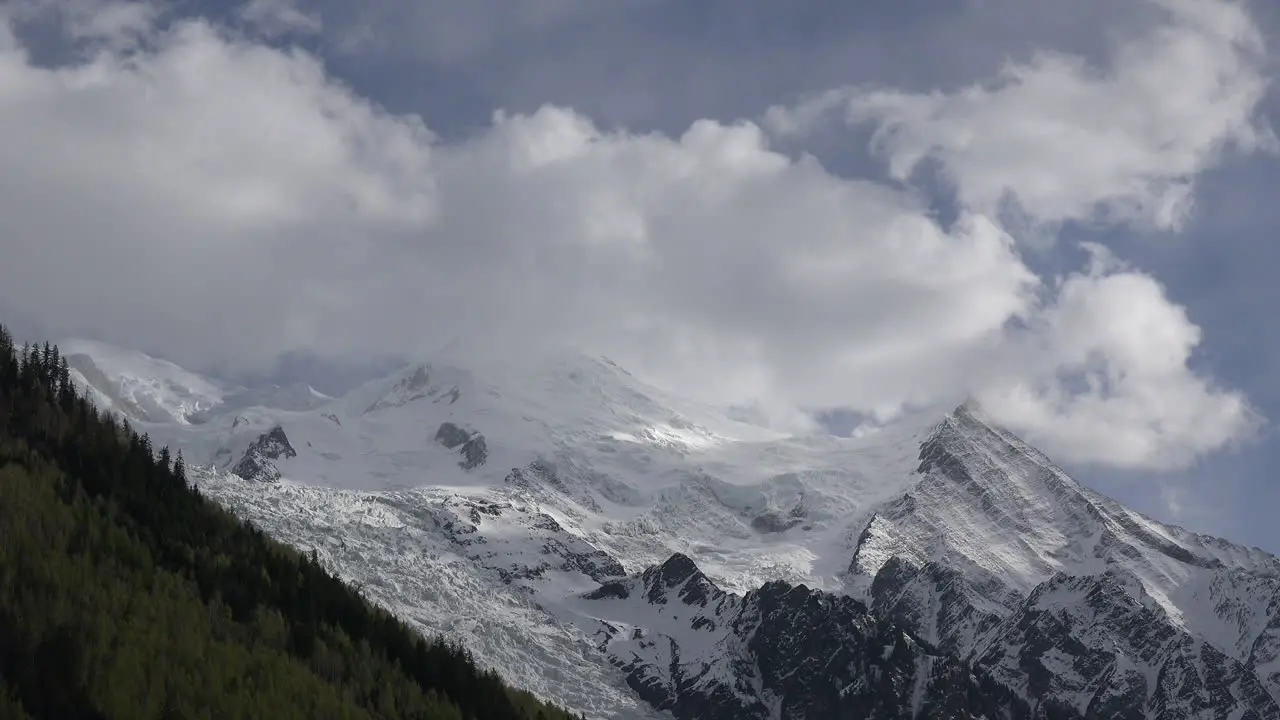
x=46 y=364
x=66 y=388
x=139 y=574
x=28 y=366
x=6 y=345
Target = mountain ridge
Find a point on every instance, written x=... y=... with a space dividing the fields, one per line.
x=126 y=592
x=947 y=528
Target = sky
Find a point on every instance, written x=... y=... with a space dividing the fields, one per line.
x=1065 y=211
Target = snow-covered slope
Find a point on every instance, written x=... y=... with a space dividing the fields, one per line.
x=495 y=503
x=138 y=386
x=779 y=651
x=993 y=525
x=644 y=474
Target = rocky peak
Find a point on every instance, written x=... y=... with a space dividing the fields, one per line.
x=787 y=651
x=256 y=464
x=275 y=444
x=468 y=442
x=679 y=571
x=421 y=381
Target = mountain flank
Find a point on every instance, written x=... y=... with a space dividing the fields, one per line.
x=632 y=554
x=124 y=593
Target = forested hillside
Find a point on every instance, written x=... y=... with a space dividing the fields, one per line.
x=125 y=594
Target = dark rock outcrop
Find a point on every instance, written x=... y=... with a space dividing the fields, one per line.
x=775 y=522
x=1091 y=646
x=1094 y=640
x=471 y=444
x=1101 y=643
x=788 y=651
x=256 y=464
x=416 y=385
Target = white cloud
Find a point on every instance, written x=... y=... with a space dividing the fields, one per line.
x=227 y=202
x=1104 y=377
x=1070 y=141
x=276 y=18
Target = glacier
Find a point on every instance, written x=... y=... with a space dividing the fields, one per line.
x=524 y=506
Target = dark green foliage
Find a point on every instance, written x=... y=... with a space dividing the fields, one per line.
x=124 y=593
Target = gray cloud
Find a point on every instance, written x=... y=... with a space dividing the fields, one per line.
x=229 y=202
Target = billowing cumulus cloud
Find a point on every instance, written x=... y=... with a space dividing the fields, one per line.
x=1064 y=140
x=1103 y=376
x=227 y=202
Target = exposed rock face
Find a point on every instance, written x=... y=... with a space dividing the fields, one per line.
x=980 y=579
x=785 y=651
x=256 y=463
x=1056 y=601
x=470 y=444
x=937 y=601
x=775 y=522
x=1101 y=645
x=451 y=436
x=1066 y=605
x=416 y=385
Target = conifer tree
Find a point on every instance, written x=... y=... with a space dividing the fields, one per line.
x=141 y=577
x=46 y=364
x=66 y=388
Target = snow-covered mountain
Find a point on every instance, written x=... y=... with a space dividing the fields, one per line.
x=137 y=386
x=624 y=551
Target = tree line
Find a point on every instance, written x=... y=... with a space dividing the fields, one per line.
x=124 y=593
